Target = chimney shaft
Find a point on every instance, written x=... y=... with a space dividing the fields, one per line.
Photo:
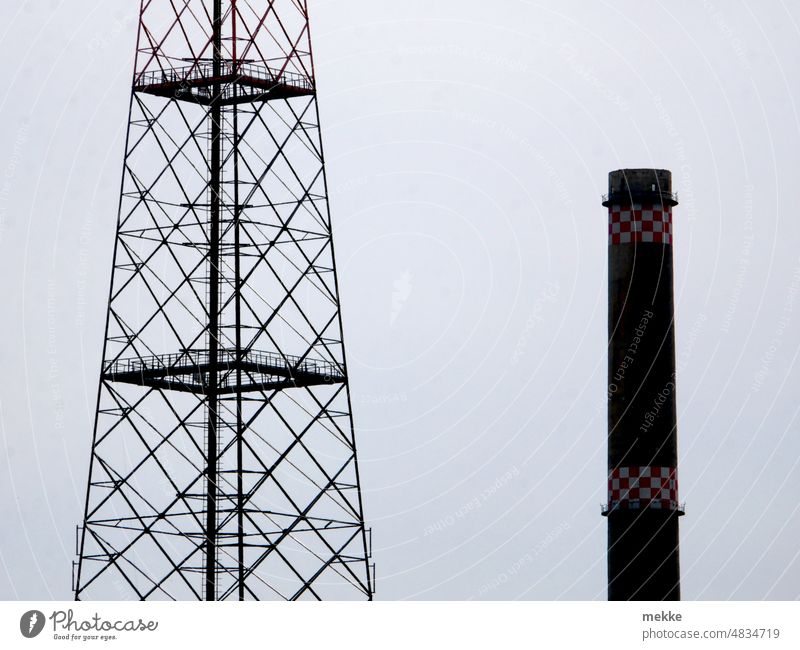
x=643 y=506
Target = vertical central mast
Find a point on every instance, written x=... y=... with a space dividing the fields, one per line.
x=238 y=316
x=213 y=308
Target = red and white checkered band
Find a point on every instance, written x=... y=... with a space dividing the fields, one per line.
x=643 y=487
x=640 y=223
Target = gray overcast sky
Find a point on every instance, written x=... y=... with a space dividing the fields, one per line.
x=468 y=144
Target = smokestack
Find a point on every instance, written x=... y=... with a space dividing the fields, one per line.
x=642 y=507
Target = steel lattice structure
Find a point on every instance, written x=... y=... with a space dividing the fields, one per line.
x=223 y=460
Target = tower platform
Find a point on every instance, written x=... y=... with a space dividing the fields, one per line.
x=195 y=83
x=188 y=371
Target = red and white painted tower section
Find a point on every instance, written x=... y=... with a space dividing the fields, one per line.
x=643 y=505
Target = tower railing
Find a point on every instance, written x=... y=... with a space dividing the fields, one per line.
x=198 y=80
x=190 y=361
